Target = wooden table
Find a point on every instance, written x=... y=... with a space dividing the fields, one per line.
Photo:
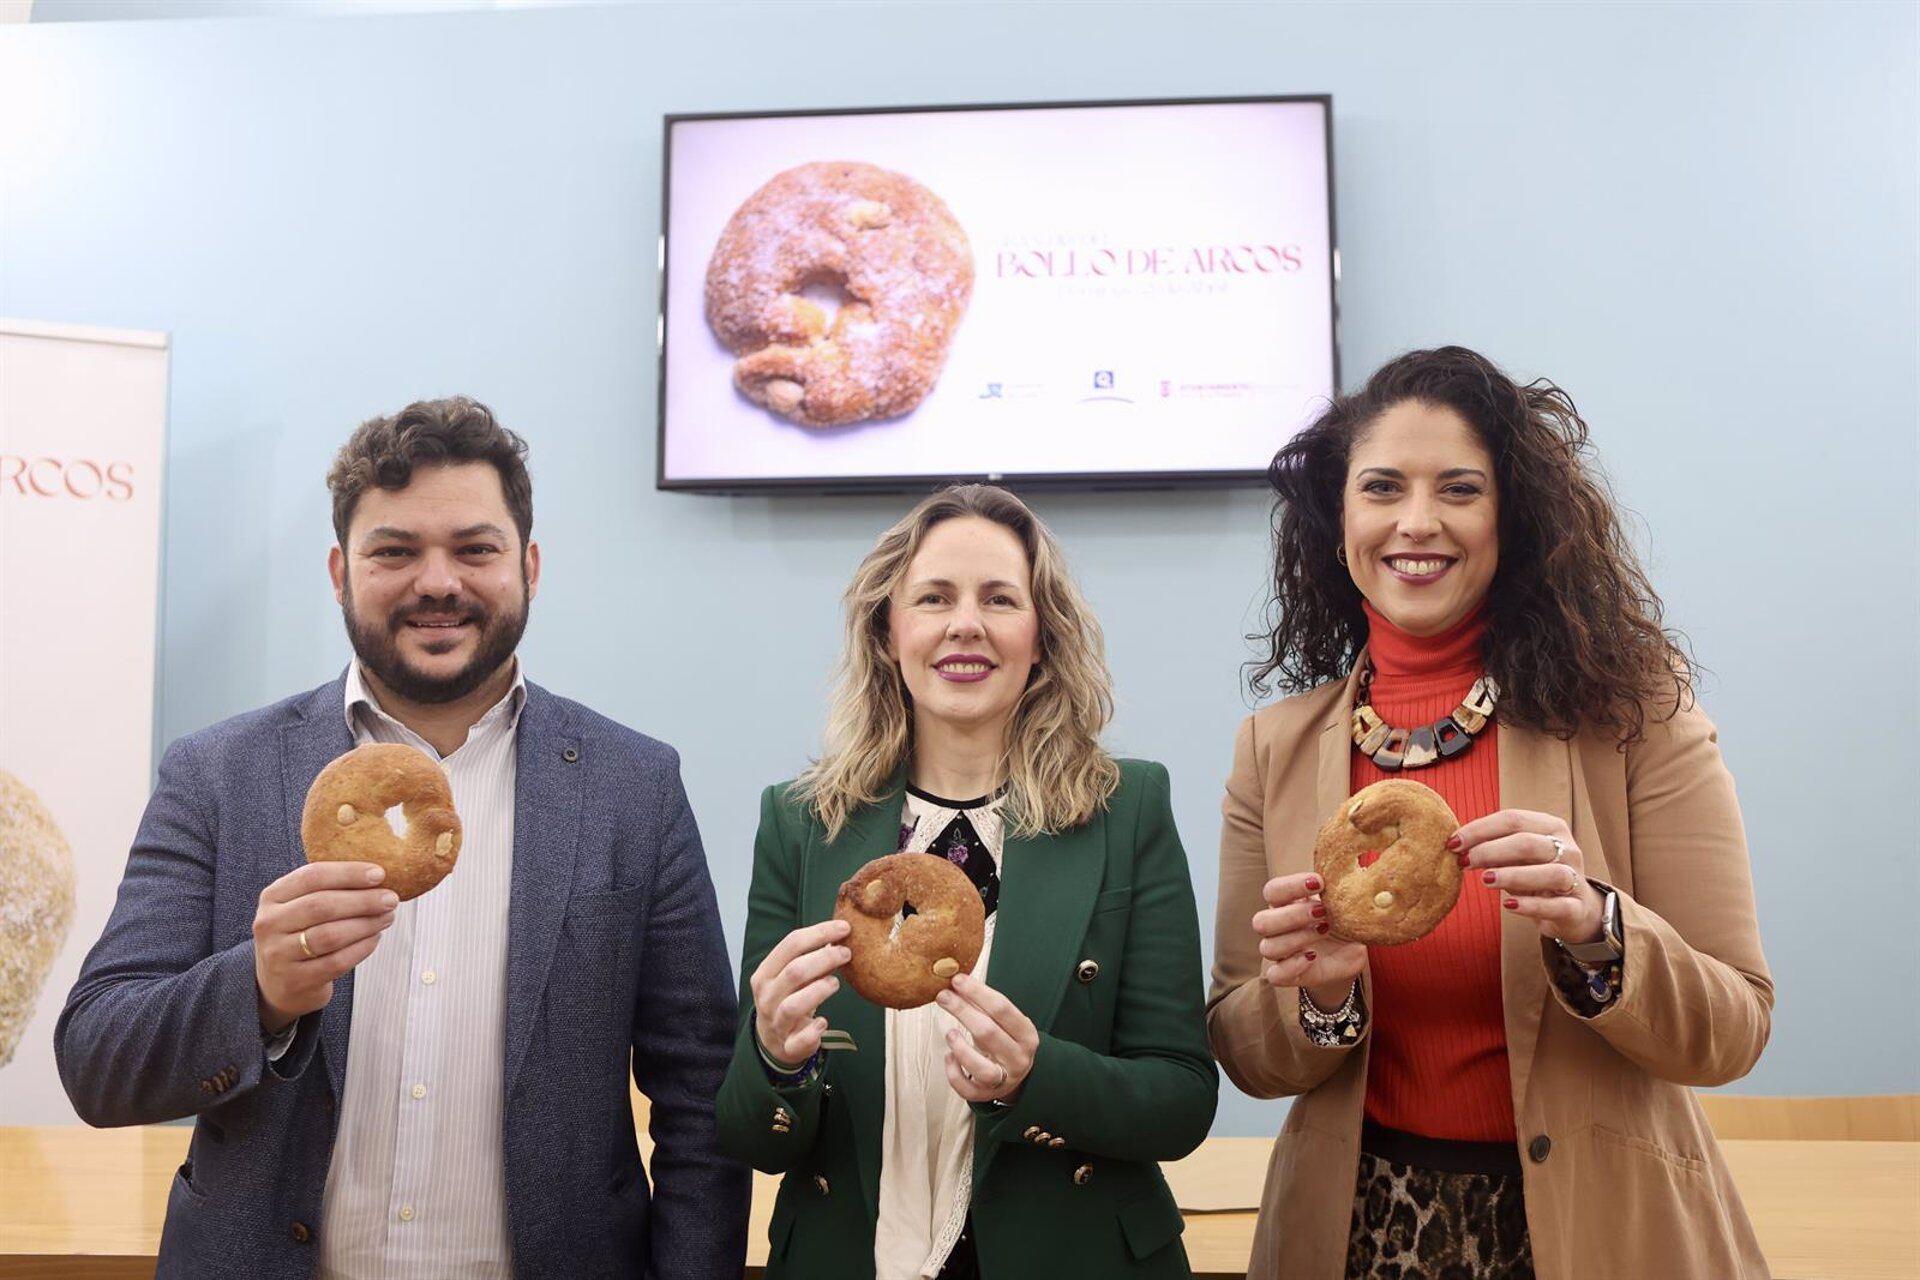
x=77 y=1202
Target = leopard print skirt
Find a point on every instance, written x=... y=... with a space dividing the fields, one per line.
x=1418 y=1224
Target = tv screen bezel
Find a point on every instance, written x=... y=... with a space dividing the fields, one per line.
x=1030 y=481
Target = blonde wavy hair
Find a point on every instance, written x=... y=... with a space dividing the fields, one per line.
x=1057 y=773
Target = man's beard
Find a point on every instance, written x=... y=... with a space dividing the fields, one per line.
x=377 y=647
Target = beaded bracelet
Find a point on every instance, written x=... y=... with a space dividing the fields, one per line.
x=1336 y=1028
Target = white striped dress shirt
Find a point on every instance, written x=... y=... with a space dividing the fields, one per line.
x=416 y=1188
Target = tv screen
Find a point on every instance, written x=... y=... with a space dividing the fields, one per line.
x=1128 y=293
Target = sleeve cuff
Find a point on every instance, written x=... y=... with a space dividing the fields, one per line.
x=278 y=1045
x=289 y=1053
x=778 y=1076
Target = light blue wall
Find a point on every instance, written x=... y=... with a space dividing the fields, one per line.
x=1699 y=218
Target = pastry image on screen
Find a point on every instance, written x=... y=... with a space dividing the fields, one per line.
x=36 y=904
x=900 y=261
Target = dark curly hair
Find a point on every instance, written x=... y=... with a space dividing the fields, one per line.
x=383 y=452
x=1574 y=631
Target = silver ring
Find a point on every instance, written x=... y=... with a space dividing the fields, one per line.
x=1559 y=848
x=1005 y=1075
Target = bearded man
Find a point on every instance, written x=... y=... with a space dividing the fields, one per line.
x=435 y=1088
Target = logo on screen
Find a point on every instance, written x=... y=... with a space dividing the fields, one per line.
x=1103 y=379
x=992 y=392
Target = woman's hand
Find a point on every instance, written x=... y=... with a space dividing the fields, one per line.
x=1295 y=944
x=1533 y=861
x=990 y=1059
x=790 y=985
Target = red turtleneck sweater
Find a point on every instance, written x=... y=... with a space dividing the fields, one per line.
x=1438 y=1065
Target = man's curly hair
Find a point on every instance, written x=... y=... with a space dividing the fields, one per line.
x=383 y=452
x=1574 y=629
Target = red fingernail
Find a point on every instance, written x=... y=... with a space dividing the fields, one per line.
x=1487 y=877
x=1511 y=904
x=1313 y=884
x=1453 y=843
x=1465 y=861
x=1321 y=928
x=1309 y=955
x=1319 y=909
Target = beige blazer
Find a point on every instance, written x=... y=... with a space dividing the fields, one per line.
x=1623 y=1177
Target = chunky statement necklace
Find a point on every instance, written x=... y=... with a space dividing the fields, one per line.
x=1393 y=749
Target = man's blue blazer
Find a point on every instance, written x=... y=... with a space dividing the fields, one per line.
x=614 y=956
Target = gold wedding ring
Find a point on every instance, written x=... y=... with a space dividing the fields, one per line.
x=304 y=947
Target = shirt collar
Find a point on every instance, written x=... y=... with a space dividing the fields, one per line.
x=358 y=696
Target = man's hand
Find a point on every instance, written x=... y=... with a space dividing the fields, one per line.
x=312 y=925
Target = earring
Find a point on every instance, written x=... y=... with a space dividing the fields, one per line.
x=1340 y=553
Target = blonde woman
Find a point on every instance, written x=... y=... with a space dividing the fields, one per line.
x=1011 y=1129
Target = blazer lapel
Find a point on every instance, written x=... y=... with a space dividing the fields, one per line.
x=549 y=785
x=1536 y=772
x=1048 y=885
x=1334 y=784
x=872 y=832
x=308 y=745
x=1047 y=888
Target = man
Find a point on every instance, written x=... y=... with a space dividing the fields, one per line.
x=436 y=1088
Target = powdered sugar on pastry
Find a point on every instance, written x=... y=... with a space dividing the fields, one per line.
x=888 y=243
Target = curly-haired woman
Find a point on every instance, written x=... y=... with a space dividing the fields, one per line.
x=1456 y=603
x=1010 y=1129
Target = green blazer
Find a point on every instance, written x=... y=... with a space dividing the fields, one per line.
x=1098 y=942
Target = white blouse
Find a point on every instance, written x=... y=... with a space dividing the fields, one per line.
x=926 y=1142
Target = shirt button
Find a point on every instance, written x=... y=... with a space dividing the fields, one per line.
x=419 y=1091
x=406 y=1213
x=429 y=977
x=1537 y=1149
x=300 y=1233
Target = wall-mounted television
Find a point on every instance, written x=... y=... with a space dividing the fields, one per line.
x=1061 y=295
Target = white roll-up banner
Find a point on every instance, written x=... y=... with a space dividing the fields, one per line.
x=83 y=416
